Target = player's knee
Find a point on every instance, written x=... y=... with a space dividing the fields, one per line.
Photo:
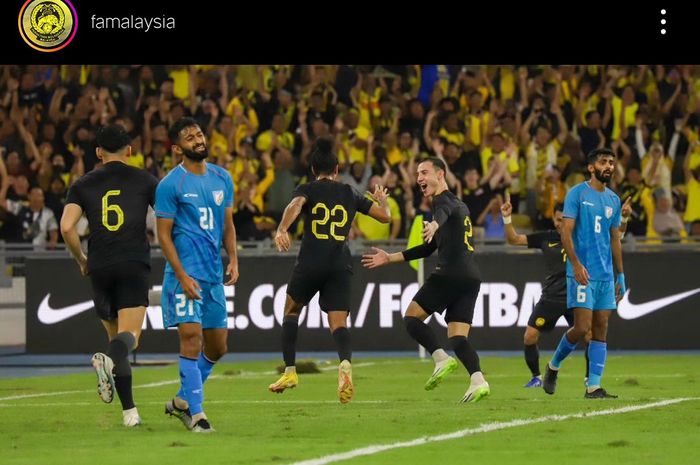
x=414 y=310
x=292 y=308
x=581 y=328
x=531 y=337
x=191 y=342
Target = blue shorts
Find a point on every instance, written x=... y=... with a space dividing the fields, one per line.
x=598 y=295
x=210 y=312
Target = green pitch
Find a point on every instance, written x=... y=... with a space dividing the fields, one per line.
x=390 y=406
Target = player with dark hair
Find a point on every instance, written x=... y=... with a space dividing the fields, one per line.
x=552 y=304
x=324 y=264
x=453 y=286
x=194 y=210
x=115 y=199
x=591 y=235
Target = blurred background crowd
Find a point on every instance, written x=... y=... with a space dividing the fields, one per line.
x=511 y=128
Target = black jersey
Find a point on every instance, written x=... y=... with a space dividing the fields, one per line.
x=115 y=200
x=329 y=211
x=554 y=255
x=452 y=239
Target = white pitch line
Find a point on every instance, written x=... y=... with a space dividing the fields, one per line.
x=485 y=428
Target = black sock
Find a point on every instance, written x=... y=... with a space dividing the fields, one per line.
x=421 y=333
x=465 y=353
x=532 y=358
x=123 y=386
x=120 y=346
x=290 y=325
x=118 y=351
x=585 y=352
x=342 y=342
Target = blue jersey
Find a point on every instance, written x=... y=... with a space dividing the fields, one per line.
x=196 y=203
x=596 y=213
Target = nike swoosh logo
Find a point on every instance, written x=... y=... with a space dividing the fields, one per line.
x=49 y=316
x=629 y=311
x=553 y=244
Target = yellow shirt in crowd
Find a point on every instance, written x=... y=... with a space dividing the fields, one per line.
x=374 y=230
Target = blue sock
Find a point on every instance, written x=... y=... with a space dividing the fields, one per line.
x=597 y=353
x=205 y=366
x=563 y=350
x=191 y=384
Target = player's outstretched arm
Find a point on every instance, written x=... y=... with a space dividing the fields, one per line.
x=512 y=237
x=380 y=258
x=567 y=229
x=165 y=238
x=230 y=245
x=71 y=215
x=291 y=213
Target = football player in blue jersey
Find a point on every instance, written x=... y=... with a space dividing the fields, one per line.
x=194 y=209
x=591 y=237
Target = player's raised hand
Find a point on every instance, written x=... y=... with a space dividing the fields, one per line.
x=190 y=287
x=507 y=208
x=626 y=210
x=380 y=193
x=429 y=230
x=282 y=241
x=375 y=260
x=232 y=270
x=581 y=274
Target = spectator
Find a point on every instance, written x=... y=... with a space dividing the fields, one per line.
x=491 y=219
x=666 y=220
x=691 y=168
x=478 y=193
x=37 y=223
x=358 y=174
x=636 y=187
x=541 y=150
x=552 y=192
x=276 y=136
x=56 y=197
x=367 y=228
x=591 y=134
x=281 y=189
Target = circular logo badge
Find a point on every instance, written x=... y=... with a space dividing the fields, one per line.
x=539 y=322
x=47 y=25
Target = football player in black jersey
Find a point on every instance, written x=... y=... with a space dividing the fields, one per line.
x=452 y=287
x=115 y=200
x=324 y=264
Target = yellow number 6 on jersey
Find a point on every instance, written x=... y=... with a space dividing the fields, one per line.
x=106 y=208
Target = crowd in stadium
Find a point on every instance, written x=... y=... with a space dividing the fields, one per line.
x=520 y=129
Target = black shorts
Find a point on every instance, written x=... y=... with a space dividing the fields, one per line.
x=118 y=286
x=546 y=314
x=333 y=285
x=457 y=296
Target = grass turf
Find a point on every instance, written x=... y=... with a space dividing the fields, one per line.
x=255 y=426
